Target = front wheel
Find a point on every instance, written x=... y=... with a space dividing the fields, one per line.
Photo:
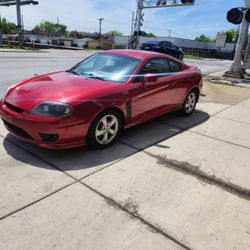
x=104 y=130
x=189 y=103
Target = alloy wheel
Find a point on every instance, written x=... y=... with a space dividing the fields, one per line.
x=106 y=129
x=190 y=102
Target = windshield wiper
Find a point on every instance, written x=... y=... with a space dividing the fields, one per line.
x=73 y=72
x=90 y=75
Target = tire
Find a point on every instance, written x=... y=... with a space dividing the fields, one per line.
x=189 y=103
x=104 y=130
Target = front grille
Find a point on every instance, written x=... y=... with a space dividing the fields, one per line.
x=17 y=130
x=14 y=108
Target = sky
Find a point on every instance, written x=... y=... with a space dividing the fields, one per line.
x=205 y=17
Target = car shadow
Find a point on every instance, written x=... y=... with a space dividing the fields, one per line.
x=81 y=162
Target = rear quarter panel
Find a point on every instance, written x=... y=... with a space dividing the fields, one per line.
x=185 y=81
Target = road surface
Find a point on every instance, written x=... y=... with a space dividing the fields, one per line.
x=15 y=66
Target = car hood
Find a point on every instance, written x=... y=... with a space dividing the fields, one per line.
x=61 y=86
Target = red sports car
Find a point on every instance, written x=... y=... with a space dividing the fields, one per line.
x=92 y=102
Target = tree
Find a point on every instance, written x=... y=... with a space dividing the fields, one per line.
x=7 y=26
x=232 y=35
x=204 y=38
x=116 y=33
x=150 y=35
x=50 y=28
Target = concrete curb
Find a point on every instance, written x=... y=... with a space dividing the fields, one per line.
x=218 y=78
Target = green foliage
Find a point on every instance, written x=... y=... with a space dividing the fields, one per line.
x=116 y=33
x=7 y=26
x=204 y=38
x=51 y=28
x=192 y=57
x=232 y=35
x=150 y=35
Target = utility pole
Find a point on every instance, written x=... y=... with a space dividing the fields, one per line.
x=100 y=30
x=132 y=30
x=138 y=23
x=22 y=23
x=57 y=30
x=1 y=34
x=236 y=69
x=169 y=33
x=19 y=22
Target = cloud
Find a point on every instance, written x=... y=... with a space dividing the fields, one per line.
x=206 y=17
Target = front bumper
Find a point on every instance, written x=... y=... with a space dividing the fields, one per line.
x=48 y=132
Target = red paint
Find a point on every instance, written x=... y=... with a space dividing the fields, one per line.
x=91 y=96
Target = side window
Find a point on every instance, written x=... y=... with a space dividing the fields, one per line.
x=175 y=67
x=168 y=44
x=175 y=47
x=159 y=66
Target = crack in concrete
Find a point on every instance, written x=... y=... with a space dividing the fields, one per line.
x=131 y=206
x=194 y=171
x=36 y=201
x=131 y=209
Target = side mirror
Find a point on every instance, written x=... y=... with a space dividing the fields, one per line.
x=150 y=78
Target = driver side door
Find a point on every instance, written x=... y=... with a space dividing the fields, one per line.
x=153 y=98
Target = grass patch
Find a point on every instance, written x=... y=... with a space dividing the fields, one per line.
x=192 y=57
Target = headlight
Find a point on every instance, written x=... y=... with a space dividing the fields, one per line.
x=56 y=109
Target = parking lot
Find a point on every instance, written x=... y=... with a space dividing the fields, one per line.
x=171 y=183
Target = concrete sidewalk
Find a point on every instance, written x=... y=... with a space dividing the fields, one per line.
x=171 y=183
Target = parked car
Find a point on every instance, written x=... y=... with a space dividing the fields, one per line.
x=93 y=101
x=165 y=47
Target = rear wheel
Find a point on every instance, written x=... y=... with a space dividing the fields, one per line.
x=105 y=129
x=189 y=103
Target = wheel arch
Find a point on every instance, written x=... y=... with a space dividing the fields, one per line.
x=107 y=109
x=197 y=91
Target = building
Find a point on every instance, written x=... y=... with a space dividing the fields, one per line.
x=204 y=49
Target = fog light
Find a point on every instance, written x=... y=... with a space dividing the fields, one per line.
x=49 y=137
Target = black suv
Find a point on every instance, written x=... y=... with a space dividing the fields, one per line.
x=165 y=47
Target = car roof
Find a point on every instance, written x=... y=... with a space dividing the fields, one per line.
x=141 y=54
x=154 y=42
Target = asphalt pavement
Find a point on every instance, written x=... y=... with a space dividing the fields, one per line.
x=15 y=66
x=170 y=183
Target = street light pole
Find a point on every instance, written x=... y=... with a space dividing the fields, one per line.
x=100 y=31
x=18 y=4
x=236 y=69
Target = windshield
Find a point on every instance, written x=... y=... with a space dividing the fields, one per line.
x=107 y=67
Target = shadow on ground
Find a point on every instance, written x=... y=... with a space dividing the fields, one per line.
x=131 y=141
